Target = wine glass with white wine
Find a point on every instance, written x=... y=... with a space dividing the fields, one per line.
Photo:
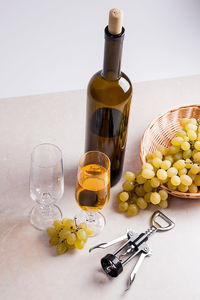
x=93 y=189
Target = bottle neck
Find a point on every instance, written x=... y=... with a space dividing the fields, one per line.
x=112 y=55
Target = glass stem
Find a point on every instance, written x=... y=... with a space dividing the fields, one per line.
x=91 y=216
x=45 y=209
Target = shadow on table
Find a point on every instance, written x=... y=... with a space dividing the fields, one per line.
x=100 y=278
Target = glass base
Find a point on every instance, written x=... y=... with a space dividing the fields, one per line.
x=93 y=219
x=43 y=217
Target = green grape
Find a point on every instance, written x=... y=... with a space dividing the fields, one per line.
x=163 y=204
x=157 y=154
x=132 y=209
x=196 y=156
x=185 y=146
x=82 y=225
x=155 y=182
x=68 y=246
x=183 y=188
x=51 y=231
x=157 y=162
x=128 y=186
x=132 y=198
x=179 y=164
x=123 y=196
x=148 y=156
x=171 y=186
x=190 y=126
x=181 y=133
x=174 y=149
x=149 y=161
x=163 y=150
x=147 y=186
x=184 y=121
x=61 y=248
x=178 y=156
x=161 y=174
x=139 y=190
x=63 y=234
x=57 y=225
x=141 y=203
x=69 y=224
x=155 y=198
x=188 y=163
x=165 y=164
x=147 y=174
x=164 y=181
x=195 y=169
x=197 y=180
x=193 y=188
x=79 y=244
x=163 y=195
x=71 y=238
x=147 y=197
x=194 y=152
x=123 y=206
x=90 y=230
x=197 y=145
x=186 y=138
x=177 y=141
x=187 y=154
x=147 y=166
x=170 y=158
x=182 y=172
x=186 y=180
x=81 y=234
x=140 y=179
x=172 y=172
x=129 y=176
x=175 y=180
x=54 y=240
x=192 y=176
x=192 y=135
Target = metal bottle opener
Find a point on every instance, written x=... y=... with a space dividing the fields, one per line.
x=135 y=244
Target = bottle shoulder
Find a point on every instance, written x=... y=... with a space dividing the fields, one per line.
x=98 y=81
x=105 y=90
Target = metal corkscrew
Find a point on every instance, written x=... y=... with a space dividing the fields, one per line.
x=135 y=244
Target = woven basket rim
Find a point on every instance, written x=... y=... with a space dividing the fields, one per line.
x=143 y=160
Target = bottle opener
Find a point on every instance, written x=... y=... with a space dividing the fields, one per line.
x=135 y=244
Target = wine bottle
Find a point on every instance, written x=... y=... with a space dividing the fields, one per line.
x=109 y=96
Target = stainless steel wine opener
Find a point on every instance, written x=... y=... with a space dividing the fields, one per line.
x=135 y=244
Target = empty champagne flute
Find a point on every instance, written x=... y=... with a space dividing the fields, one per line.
x=93 y=189
x=46 y=185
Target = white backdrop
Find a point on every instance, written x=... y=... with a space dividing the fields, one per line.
x=55 y=45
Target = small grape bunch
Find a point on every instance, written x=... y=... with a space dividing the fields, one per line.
x=141 y=189
x=66 y=234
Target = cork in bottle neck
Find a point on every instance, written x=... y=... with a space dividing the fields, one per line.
x=115 y=21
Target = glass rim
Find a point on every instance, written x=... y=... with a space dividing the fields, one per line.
x=95 y=151
x=46 y=144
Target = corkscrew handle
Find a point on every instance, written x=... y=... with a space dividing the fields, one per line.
x=155 y=222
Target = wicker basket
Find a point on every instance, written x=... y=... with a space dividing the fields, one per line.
x=162 y=130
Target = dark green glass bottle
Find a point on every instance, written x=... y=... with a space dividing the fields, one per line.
x=109 y=96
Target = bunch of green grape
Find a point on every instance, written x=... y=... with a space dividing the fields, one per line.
x=177 y=167
x=66 y=234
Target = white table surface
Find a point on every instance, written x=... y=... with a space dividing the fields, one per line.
x=29 y=268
